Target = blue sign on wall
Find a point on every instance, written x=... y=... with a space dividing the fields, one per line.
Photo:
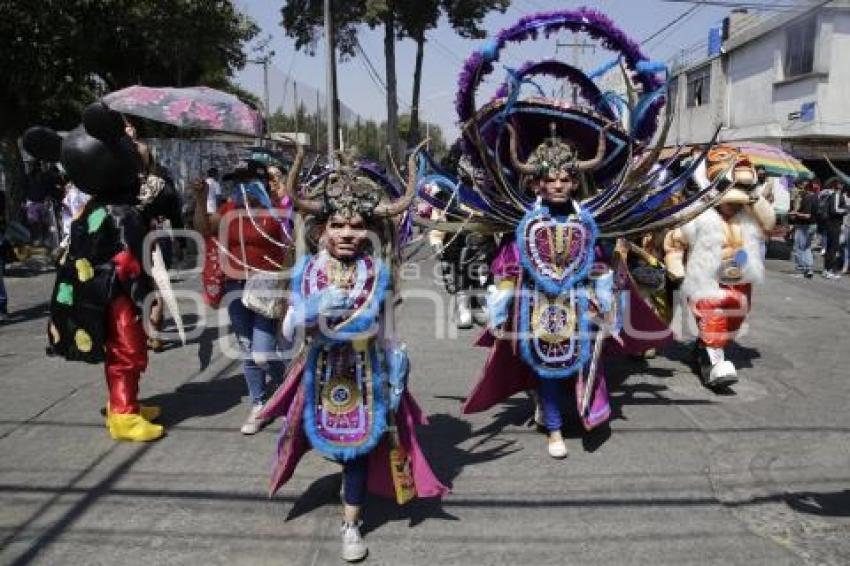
x=807 y=112
x=715 y=40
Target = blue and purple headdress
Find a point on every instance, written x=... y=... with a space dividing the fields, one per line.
x=555 y=132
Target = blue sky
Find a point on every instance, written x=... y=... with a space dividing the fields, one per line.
x=445 y=52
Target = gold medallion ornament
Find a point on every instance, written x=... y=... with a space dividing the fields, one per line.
x=340 y=395
x=553 y=321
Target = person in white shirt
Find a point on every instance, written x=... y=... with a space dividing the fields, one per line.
x=214 y=194
x=72 y=204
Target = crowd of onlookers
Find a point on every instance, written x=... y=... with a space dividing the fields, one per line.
x=820 y=216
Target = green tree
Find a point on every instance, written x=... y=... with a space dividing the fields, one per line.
x=59 y=55
x=417 y=17
x=303 y=20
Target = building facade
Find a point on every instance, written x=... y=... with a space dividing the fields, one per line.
x=783 y=80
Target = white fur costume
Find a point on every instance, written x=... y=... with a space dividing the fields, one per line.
x=704 y=240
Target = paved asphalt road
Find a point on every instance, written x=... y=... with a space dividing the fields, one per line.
x=760 y=477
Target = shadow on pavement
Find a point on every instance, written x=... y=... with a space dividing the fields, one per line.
x=830 y=504
x=35 y=312
x=440 y=440
x=199 y=399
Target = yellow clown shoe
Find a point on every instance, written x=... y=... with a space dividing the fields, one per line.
x=132 y=427
x=148 y=412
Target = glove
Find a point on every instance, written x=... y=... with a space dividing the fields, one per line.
x=332 y=299
x=399 y=367
x=307 y=312
x=498 y=302
x=603 y=287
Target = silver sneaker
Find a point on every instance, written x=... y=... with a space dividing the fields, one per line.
x=353 y=547
x=253 y=423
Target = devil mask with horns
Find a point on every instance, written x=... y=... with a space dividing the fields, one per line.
x=347 y=191
x=554 y=165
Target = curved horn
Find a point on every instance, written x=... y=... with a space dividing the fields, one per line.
x=523 y=168
x=308 y=206
x=845 y=178
x=401 y=204
x=652 y=157
x=600 y=151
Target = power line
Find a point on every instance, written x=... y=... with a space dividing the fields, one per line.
x=773 y=6
x=671 y=23
x=376 y=76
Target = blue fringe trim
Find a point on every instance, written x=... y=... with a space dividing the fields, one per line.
x=379 y=410
x=549 y=286
x=528 y=357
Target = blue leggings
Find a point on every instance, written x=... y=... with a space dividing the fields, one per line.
x=354 y=474
x=551 y=392
x=258 y=344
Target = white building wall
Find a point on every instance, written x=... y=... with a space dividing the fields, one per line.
x=752 y=99
x=835 y=97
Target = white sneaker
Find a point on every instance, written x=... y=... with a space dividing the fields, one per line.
x=353 y=547
x=557 y=448
x=722 y=374
x=464 y=313
x=253 y=423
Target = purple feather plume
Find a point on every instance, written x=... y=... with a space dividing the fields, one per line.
x=596 y=24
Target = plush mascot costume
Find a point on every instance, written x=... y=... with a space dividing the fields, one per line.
x=718 y=256
x=95 y=307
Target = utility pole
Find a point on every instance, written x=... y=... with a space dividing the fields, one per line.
x=296 y=106
x=330 y=48
x=577 y=49
x=264 y=61
x=318 y=113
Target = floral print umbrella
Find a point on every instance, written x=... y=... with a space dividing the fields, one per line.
x=198 y=107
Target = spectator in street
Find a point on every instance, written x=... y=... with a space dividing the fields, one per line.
x=42 y=191
x=72 y=205
x=845 y=234
x=764 y=188
x=802 y=216
x=5 y=248
x=214 y=194
x=4 y=298
x=836 y=209
x=248 y=250
x=821 y=214
x=765 y=184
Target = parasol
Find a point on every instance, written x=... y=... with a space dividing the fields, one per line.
x=774 y=160
x=198 y=107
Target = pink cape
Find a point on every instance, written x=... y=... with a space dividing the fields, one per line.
x=288 y=402
x=505 y=374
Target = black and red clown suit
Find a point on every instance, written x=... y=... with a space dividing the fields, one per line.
x=100 y=288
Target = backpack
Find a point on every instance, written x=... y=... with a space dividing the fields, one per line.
x=824 y=206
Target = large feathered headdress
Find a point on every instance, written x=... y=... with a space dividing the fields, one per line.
x=606 y=136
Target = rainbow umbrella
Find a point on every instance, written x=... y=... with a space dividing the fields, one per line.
x=774 y=160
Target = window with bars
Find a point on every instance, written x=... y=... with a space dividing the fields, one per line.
x=699 y=86
x=800 y=48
